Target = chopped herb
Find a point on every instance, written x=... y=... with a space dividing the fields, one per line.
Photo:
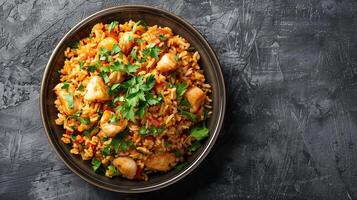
x=116 y=49
x=185 y=103
x=152 y=51
x=140 y=41
x=199 y=132
x=190 y=49
x=74 y=45
x=95 y=164
x=180 y=89
x=104 y=54
x=137 y=96
x=138 y=23
x=114 y=170
x=104 y=75
x=73 y=137
x=181 y=166
x=177 y=58
x=151 y=100
x=187 y=114
x=81 y=64
x=80 y=87
x=113 y=119
x=65 y=85
x=131 y=38
x=151 y=131
x=177 y=153
x=106 y=150
x=128 y=68
x=112 y=25
x=92 y=68
x=133 y=53
x=88 y=131
x=162 y=37
x=69 y=98
x=197 y=144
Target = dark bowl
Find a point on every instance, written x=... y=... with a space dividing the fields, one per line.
x=208 y=62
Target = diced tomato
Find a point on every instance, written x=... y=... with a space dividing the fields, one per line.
x=154 y=121
x=68 y=132
x=79 y=139
x=139 y=32
x=162 y=31
x=138 y=171
x=90 y=145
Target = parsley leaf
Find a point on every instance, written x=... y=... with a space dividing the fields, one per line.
x=114 y=170
x=140 y=41
x=199 y=132
x=151 y=131
x=196 y=145
x=69 y=98
x=177 y=58
x=138 y=23
x=181 y=166
x=106 y=150
x=180 y=89
x=74 y=45
x=133 y=53
x=92 y=68
x=65 y=85
x=81 y=64
x=152 y=51
x=162 y=37
x=131 y=38
x=190 y=49
x=104 y=75
x=80 y=87
x=95 y=164
x=187 y=114
x=116 y=49
x=112 y=25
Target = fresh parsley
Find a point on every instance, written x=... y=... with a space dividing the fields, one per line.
x=114 y=170
x=187 y=114
x=104 y=75
x=153 y=130
x=199 y=132
x=65 y=85
x=152 y=51
x=112 y=25
x=69 y=98
x=95 y=164
x=81 y=64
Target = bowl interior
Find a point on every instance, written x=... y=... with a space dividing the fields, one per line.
x=152 y=16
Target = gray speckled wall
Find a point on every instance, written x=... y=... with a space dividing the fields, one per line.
x=291 y=75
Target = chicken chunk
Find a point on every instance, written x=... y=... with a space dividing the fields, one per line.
x=126 y=42
x=195 y=97
x=127 y=166
x=96 y=90
x=161 y=161
x=167 y=63
x=112 y=129
x=63 y=96
x=107 y=43
x=116 y=77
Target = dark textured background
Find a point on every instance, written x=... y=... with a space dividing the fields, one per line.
x=291 y=75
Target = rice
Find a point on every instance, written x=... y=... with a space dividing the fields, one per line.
x=132 y=99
